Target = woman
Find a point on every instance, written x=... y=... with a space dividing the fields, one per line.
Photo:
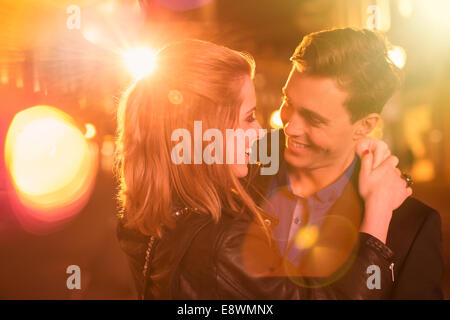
x=191 y=231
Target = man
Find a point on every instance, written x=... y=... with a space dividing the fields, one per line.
x=338 y=85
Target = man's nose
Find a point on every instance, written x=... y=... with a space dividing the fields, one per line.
x=285 y=114
x=294 y=125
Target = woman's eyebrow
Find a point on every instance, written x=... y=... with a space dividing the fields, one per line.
x=251 y=110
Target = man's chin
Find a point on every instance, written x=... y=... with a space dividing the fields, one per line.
x=296 y=160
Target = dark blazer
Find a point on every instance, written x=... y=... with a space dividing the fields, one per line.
x=414 y=236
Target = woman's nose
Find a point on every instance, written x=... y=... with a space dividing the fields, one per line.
x=259 y=131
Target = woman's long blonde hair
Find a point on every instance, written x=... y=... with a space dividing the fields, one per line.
x=194 y=80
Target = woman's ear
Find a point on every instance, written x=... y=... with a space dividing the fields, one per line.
x=365 y=125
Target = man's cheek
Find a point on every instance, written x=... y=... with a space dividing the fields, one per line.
x=337 y=145
x=320 y=141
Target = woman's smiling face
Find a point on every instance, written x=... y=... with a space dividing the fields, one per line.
x=247 y=121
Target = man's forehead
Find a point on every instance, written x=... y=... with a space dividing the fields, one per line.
x=307 y=83
x=316 y=94
x=291 y=73
x=294 y=76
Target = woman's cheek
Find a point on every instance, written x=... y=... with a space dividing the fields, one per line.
x=240 y=170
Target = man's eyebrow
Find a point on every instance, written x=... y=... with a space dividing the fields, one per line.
x=313 y=114
x=306 y=111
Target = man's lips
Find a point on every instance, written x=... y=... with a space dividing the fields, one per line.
x=297 y=144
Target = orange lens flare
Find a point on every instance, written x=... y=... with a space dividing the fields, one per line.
x=140 y=61
x=51 y=165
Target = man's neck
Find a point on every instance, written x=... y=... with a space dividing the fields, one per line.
x=305 y=182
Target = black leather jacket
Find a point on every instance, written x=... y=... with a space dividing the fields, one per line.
x=233 y=259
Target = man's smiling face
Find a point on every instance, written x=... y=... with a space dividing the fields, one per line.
x=317 y=124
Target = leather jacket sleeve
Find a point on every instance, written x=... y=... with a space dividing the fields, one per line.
x=369 y=276
x=249 y=266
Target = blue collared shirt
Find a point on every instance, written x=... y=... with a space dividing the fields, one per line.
x=295 y=212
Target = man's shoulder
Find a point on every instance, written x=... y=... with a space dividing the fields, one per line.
x=412 y=218
x=413 y=209
x=415 y=237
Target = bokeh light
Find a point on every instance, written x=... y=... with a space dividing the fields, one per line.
x=323 y=247
x=91 y=34
x=3 y=75
x=107 y=153
x=275 y=120
x=90 y=131
x=182 y=5
x=140 y=61
x=405 y=8
x=51 y=166
x=306 y=237
x=175 y=97
x=107 y=7
x=398 y=56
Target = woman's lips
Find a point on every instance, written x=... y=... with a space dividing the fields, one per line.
x=248 y=151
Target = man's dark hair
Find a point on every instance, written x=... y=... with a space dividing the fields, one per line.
x=357 y=60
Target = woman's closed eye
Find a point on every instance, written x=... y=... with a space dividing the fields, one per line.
x=252 y=117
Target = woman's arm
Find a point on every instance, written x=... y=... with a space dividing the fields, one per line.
x=383 y=191
x=369 y=275
x=249 y=267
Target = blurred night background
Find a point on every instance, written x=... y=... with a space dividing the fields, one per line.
x=61 y=79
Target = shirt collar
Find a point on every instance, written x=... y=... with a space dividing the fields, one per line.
x=332 y=192
x=328 y=194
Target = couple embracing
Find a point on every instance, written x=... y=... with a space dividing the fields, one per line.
x=336 y=221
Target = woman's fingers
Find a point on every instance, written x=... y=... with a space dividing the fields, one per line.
x=362 y=145
x=366 y=163
x=390 y=163
x=378 y=148
x=380 y=154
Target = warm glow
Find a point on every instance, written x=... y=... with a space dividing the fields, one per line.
x=398 y=56
x=175 y=97
x=140 y=62
x=107 y=7
x=107 y=153
x=405 y=8
x=275 y=120
x=306 y=237
x=435 y=14
x=51 y=164
x=423 y=170
x=90 y=131
x=4 y=75
x=418 y=124
x=91 y=34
